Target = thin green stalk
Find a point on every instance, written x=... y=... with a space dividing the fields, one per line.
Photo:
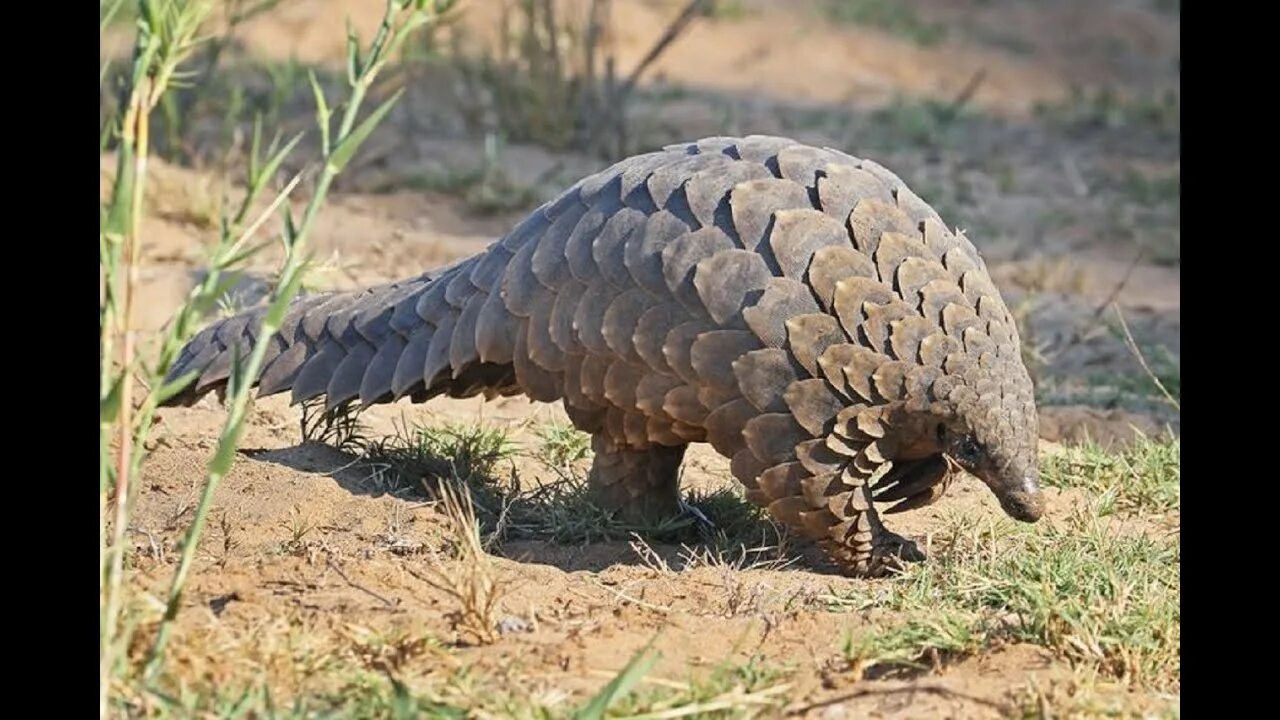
x=133 y=137
x=207 y=289
x=124 y=426
x=166 y=36
x=227 y=253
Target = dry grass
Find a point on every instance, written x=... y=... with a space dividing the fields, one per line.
x=470 y=579
x=552 y=78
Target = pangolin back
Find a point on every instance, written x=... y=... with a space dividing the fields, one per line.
x=798 y=308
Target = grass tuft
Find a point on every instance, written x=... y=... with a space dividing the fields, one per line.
x=339 y=427
x=551 y=77
x=470 y=580
x=1143 y=478
x=1105 y=108
x=730 y=690
x=1101 y=595
x=415 y=460
x=561 y=445
x=917 y=644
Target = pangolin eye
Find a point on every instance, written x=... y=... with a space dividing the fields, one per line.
x=968 y=448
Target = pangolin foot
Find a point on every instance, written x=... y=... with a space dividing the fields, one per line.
x=893 y=551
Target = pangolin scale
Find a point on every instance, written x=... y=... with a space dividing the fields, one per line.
x=798 y=308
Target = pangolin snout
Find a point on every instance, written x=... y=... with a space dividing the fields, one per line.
x=1026 y=503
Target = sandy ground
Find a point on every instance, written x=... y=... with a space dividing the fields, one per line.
x=1059 y=242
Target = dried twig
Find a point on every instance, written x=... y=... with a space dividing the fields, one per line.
x=157 y=549
x=648 y=555
x=966 y=94
x=677 y=26
x=334 y=567
x=909 y=688
x=1142 y=360
x=627 y=598
x=1124 y=280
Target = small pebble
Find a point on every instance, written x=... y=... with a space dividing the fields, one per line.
x=512 y=624
x=834 y=712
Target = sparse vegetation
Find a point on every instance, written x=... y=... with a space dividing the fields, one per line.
x=1103 y=107
x=919 y=644
x=370 y=688
x=552 y=78
x=729 y=690
x=727 y=10
x=561 y=445
x=416 y=459
x=297 y=527
x=339 y=427
x=1145 y=189
x=470 y=580
x=1101 y=594
x=561 y=510
x=1143 y=478
x=892 y=16
x=921 y=122
x=1134 y=388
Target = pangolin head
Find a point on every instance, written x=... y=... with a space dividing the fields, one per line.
x=977 y=415
x=991 y=433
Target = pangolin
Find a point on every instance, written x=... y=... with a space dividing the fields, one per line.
x=799 y=309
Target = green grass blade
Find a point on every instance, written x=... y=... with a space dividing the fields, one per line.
x=322 y=111
x=109 y=15
x=353 y=54
x=175 y=386
x=347 y=148
x=118 y=209
x=109 y=406
x=622 y=683
x=273 y=162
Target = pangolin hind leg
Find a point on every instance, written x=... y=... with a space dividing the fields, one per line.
x=641 y=486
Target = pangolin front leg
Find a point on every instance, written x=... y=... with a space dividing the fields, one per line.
x=798 y=308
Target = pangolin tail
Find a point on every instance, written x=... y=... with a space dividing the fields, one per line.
x=415 y=337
